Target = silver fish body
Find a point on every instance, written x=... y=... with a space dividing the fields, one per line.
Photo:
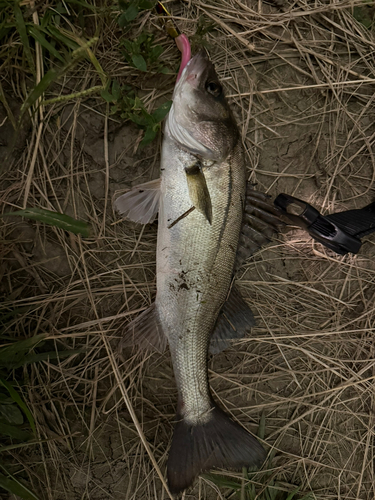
x=195 y=262
x=201 y=198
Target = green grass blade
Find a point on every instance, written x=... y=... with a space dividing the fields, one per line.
x=55 y=219
x=13 y=486
x=11 y=414
x=147 y=4
x=39 y=90
x=292 y=494
x=56 y=33
x=15 y=432
x=7 y=108
x=222 y=481
x=107 y=96
x=39 y=37
x=19 y=346
x=85 y=5
x=21 y=28
x=271 y=491
x=21 y=445
x=309 y=496
x=4 y=31
x=262 y=426
x=47 y=356
x=54 y=74
x=95 y=62
x=17 y=398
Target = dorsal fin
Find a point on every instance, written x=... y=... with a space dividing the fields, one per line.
x=261 y=221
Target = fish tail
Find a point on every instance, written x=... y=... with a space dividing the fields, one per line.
x=220 y=442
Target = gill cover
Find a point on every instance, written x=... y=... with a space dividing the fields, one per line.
x=200 y=119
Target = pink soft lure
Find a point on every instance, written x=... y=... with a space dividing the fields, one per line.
x=183 y=45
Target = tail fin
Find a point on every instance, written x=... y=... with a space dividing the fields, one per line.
x=220 y=442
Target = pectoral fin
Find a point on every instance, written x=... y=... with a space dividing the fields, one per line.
x=198 y=191
x=234 y=322
x=141 y=203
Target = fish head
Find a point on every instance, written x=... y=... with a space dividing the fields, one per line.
x=200 y=119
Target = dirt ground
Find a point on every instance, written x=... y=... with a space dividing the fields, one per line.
x=301 y=76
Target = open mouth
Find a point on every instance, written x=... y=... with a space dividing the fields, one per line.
x=195 y=67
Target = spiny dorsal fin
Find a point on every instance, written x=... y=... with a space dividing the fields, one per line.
x=261 y=222
x=141 y=203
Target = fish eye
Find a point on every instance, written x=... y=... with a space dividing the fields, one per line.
x=214 y=88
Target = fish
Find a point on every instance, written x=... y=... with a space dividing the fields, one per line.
x=204 y=221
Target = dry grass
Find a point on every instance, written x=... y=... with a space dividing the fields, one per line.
x=301 y=75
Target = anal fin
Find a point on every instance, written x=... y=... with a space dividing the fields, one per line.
x=141 y=203
x=234 y=322
x=145 y=331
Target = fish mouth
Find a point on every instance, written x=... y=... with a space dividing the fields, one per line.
x=195 y=67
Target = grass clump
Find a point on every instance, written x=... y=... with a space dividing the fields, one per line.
x=17 y=424
x=130 y=10
x=125 y=103
x=143 y=54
